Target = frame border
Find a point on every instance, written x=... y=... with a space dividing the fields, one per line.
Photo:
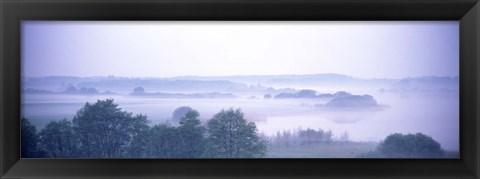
x=467 y=12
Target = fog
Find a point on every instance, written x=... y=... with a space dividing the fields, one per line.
x=435 y=113
x=366 y=80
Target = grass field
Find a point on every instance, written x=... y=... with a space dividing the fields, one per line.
x=331 y=150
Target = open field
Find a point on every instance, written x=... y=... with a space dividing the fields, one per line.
x=332 y=150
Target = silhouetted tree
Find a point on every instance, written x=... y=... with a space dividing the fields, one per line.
x=57 y=139
x=139 y=147
x=191 y=135
x=163 y=142
x=231 y=136
x=410 y=146
x=30 y=140
x=104 y=130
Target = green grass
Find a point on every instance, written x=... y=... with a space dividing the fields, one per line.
x=331 y=150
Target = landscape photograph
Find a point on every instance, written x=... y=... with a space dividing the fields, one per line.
x=193 y=89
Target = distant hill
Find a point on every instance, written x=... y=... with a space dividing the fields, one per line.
x=234 y=84
x=428 y=82
x=184 y=96
x=312 y=94
x=326 y=78
x=352 y=101
x=70 y=90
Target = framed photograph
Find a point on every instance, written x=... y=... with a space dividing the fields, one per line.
x=245 y=89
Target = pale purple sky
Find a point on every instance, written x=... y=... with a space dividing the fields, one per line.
x=369 y=49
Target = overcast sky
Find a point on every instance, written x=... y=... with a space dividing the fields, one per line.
x=164 y=49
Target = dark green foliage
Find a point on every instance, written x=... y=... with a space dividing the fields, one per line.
x=231 y=136
x=191 y=135
x=140 y=139
x=104 y=130
x=57 y=139
x=140 y=144
x=30 y=141
x=410 y=146
x=166 y=141
x=163 y=142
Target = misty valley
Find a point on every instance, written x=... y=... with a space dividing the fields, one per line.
x=251 y=116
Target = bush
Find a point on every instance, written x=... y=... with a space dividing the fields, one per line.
x=410 y=146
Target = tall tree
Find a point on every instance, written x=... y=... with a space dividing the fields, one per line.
x=139 y=145
x=57 y=139
x=104 y=130
x=191 y=135
x=231 y=136
x=30 y=140
x=164 y=142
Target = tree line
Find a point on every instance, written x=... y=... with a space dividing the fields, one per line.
x=103 y=130
x=303 y=137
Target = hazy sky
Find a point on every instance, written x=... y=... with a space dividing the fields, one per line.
x=164 y=49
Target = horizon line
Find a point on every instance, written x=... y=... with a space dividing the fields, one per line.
x=257 y=75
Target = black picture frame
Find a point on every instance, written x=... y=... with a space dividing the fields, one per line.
x=12 y=12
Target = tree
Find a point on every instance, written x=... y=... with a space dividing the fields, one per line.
x=164 y=142
x=104 y=130
x=231 y=136
x=139 y=146
x=58 y=140
x=191 y=135
x=180 y=112
x=267 y=96
x=344 y=137
x=410 y=146
x=30 y=140
x=138 y=90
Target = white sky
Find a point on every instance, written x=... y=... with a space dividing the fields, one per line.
x=164 y=49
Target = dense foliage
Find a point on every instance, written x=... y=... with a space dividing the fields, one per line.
x=57 y=138
x=407 y=146
x=30 y=140
x=103 y=130
x=191 y=136
x=410 y=146
x=231 y=136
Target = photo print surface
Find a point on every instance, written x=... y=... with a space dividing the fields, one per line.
x=224 y=89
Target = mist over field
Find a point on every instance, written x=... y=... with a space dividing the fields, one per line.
x=363 y=89
x=425 y=104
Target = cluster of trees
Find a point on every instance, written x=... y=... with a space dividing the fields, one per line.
x=140 y=91
x=302 y=137
x=103 y=130
x=407 y=146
